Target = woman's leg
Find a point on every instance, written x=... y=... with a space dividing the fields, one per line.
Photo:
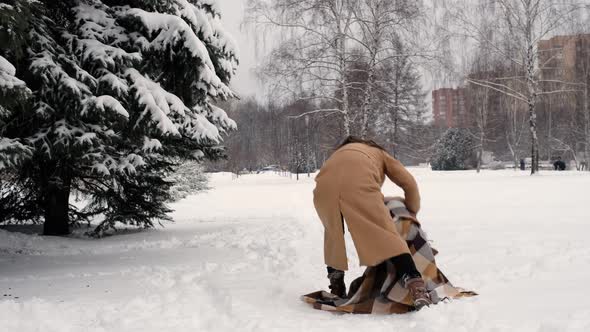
x=410 y=277
x=405 y=268
x=337 y=285
x=328 y=211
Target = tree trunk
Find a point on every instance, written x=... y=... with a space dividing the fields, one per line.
x=480 y=152
x=344 y=83
x=549 y=112
x=511 y=132
x=513 y=153
x=395 y=119
x=57 y=203
x=586 y=127
x=345 y=109
x=482 y=121
x=532 y=99
x=534 y=138
x=367 y=100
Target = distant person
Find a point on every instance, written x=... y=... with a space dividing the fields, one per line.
x=559 y=165
x=584 y=166
x=348 y=188
x=522 y=165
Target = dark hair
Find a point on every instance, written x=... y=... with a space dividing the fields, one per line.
x=355 y=139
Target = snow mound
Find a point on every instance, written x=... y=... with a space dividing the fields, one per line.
x=174 y=303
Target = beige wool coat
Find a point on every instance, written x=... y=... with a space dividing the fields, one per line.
x=348 y=187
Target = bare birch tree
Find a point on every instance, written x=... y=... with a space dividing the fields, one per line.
x=374 y=21
x=315 y=55
x=523 y=24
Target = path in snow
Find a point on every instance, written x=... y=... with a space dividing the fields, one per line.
x=239 y=256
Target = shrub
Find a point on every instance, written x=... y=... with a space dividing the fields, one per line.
x=454 y=151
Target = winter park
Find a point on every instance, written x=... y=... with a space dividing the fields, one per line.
x=294 y=165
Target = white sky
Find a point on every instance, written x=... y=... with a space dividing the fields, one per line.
x=232 y=12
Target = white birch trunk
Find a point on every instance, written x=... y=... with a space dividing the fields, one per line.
x=532 y=91
x=368 y=97
x=586 y=126
x=346 y=118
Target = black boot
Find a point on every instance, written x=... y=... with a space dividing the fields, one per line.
x=337 y=286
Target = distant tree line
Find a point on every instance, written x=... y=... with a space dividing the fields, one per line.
x=284 y=135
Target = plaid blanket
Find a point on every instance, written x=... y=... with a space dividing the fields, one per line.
x=377 y=291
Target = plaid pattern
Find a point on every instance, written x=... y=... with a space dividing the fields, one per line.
x=377 y=291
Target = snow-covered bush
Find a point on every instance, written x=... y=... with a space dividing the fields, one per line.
x=102 y=98
x=454 y=151
x=189 y=178
x=497 y=165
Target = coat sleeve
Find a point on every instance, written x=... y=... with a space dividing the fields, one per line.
x=397 y=173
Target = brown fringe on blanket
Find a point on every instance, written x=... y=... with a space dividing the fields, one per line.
x=377 y=291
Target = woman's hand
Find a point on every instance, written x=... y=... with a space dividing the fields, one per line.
x=388 y=199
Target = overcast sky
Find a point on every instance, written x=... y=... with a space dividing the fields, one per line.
x=232 y=12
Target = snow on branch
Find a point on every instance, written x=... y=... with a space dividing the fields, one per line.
x=103 y=103
x=151 y=144
x=224 y=40
x=199 y=128
x=127 y=164
x=318 y=111
x=500 y=88
x=220 y=117
x=97 y=24
x=12 y=151
x=115 y=83
x=158 y=103
x=169 y=31
x=208 y=24
x=8 y=79
x=52 y=73
x=94 y=51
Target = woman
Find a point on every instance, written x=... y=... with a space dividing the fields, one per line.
x=348 y=187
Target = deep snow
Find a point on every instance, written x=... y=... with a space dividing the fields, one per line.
x=239 y=256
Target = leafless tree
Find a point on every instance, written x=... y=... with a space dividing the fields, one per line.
x=374 y=21
x=314 y=56
x=516 y=37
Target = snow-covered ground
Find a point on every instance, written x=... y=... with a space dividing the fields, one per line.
x=239 y=256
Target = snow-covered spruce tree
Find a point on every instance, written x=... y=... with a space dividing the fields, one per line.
x=115 y=94
x=12 y=89
x=400 y=91
x=13 y=92
x=454 y=151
